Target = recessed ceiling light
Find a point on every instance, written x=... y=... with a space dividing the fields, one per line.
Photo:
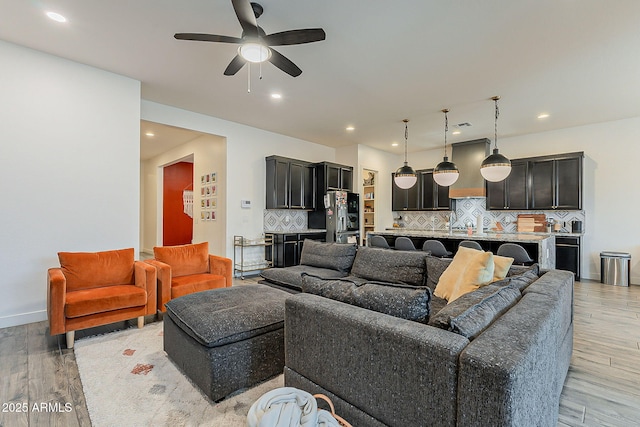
x=456 y=132
x=395 y=144
x=350 y=128
x=543 y=116
x=150 y=134
x=56 y=17
x=276 y=96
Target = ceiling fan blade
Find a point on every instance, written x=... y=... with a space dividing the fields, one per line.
x=283 y=38
x=247 y=18
x=280 y=61
x=207 y=38
x=235 y=65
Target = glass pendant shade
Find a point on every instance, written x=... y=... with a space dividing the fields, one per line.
x=405 y=177
x=445 y=173
x=496 y=167
x=254 y=52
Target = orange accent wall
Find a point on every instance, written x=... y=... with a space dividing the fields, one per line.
x=177 y=226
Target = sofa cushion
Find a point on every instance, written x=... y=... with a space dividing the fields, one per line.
x=408 y=267
x=469 y=270
x=516 y=270
x=442 y=318
x=522 y=281
x=435 y=267
x=395 y=299
x=292 y=276
x=85 y=302
x=335 y=256
x=476 y=319
x=184 y=259
x=86 y=270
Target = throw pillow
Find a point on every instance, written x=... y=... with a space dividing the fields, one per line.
x=472 y=322
x=334 y=256
x=394 y=299
x=502 y=266
x=390 y=266
x=442 y=319
x=435 y=267
x=479 y=272
x=469 y=270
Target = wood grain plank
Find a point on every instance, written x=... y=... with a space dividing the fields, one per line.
x=14 y=374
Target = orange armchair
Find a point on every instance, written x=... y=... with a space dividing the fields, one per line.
x=97 y=288
x=186 y=269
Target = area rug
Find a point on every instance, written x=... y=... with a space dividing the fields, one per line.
x=128 y=379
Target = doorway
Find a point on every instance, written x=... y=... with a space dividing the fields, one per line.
x=177 y=204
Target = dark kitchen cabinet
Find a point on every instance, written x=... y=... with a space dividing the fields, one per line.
x=432 y=195
x=287 y=247
x=568 y=254
x=290 y=184
x=511 y=193
x=539 y=183
x=556 y=183
x=405 y=199
x=332 y=176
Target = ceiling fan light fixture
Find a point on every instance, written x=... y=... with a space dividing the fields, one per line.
x=254 y=52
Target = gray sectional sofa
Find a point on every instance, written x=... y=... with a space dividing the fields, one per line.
x=497 y=356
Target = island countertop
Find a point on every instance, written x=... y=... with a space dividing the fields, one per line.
x=541 y=246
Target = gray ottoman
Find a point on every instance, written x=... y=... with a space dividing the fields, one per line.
x=227 y=339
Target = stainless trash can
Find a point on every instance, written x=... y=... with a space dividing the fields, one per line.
x=615 y=268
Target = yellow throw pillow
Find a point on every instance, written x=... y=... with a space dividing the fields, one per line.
x=503 y=264
x=479 y=272
x=449 y=278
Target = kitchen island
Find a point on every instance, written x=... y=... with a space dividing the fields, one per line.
x=540 y=246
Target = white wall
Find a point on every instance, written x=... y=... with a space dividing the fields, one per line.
x=208 y=153
x=246 y=149
x=69 y=170
x=611 y=177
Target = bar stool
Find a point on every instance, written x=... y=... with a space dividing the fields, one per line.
x=379 y=242
x=470 y=244
x=515 y=251
x=436 y=248
x=404 y=244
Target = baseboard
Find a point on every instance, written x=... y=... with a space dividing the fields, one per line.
x=23 y=318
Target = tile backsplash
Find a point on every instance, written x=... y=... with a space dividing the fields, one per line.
x=467 y=210
x=284 y=220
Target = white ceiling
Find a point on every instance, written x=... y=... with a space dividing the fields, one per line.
x=382 y=61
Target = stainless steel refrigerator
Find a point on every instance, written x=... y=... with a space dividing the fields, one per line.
x=342 y=216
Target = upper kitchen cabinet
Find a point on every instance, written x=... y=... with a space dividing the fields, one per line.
x=540 y=183
x=332 y=176
x=556 y=182
x=405 y=200
x=290 y=184
x=432 y=195
x=511 y=193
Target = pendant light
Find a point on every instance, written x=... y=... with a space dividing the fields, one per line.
x=495 y=167
x=405 y=176
x=446 y=172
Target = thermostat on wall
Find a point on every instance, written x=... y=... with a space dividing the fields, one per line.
x=245 y=204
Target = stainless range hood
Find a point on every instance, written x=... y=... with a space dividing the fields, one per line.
x=468 y=157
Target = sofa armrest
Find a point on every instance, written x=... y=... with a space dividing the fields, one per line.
x=163 y=277
x=512 y=373
x=223 y=267
x=145 y=277
x=56 y=298
x=398 y=371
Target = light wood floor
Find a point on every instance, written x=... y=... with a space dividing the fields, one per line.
x=602 y=387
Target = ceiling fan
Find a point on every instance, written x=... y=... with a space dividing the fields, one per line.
x=255 y=44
